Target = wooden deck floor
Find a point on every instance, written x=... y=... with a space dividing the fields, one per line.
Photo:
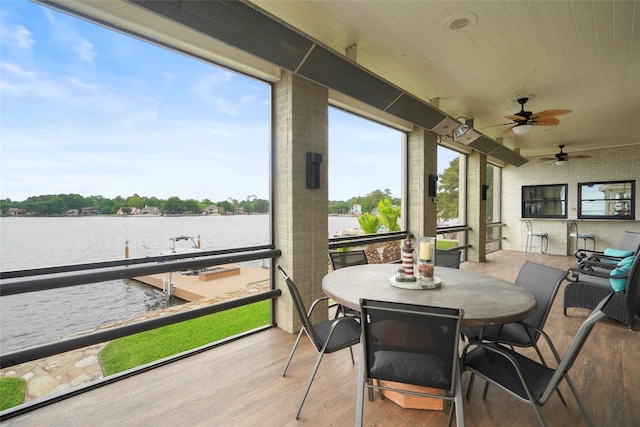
x=240 y=384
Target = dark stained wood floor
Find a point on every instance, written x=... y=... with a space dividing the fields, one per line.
x=239 y=384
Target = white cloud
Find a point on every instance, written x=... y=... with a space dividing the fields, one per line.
x=211 y=88
x=16 y=70
x=17 y=36
x=85 y=50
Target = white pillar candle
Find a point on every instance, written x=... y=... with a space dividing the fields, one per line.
x=425 y=251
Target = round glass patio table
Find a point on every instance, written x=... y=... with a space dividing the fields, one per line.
x=485 y=300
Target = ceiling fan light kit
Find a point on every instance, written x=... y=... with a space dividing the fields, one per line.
x=521 y=129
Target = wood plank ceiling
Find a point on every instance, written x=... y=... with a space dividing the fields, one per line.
x=578 y=55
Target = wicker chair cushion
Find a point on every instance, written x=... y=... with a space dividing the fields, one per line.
x=617 y=252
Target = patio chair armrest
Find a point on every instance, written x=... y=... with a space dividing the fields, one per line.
x=546 y=337
x=315 y=303
x=581 y=254
x=494 y=348
x=576 y=272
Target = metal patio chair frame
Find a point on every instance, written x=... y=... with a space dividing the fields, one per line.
x=544 y=283
x=525 y=379
x=327 y=336
x=429 y=362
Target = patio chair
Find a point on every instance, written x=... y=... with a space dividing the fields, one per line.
x=410 y=344
x=574 y=234
x=543 y=282
x=347 y=259
x=543 y=235
x=525 y=379
x=449 y=259
x=327 y=337
x=628 y=245
x=588 y=285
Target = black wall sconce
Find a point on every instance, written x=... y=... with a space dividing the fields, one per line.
x=485 y=188
x=313 y=170
x=433 y=184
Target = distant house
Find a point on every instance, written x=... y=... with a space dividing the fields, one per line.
x=212 y=210
x=150 y=210
x=356 y=210
x=72 y=212
x=90 y=210
x=128 y=211
x=16 y=212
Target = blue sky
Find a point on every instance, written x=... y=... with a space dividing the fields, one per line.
x=90 y=111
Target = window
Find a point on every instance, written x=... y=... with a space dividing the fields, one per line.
x=607 y=200
x=544 y=201
x=365 y=167
x=492 y=195
x=99 y=128
x=452 y=174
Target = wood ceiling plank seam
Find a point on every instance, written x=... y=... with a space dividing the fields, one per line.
x=562 y=13
x=605 y=51
x=527 y=61
x=493 y=31
x=584 y=21
x=627 y=42
x=546 y=76
x=505 y=29
x=485 y=52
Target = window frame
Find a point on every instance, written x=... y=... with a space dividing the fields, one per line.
x=631 y=200
x=544 y=201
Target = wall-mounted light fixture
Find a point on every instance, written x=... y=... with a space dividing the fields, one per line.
x=485 y=189
x=313 y=170
x=433 y=186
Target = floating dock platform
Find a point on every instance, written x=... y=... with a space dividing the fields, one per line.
x=209 y=283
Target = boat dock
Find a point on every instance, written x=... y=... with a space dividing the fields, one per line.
x=207 y=284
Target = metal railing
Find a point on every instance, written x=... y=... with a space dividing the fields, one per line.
x=38 y=279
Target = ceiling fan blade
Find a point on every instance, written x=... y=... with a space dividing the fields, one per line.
x=500 y=124
x=509 y=129
x=578 y=156
x=549 y=121
x=515 y=117
x=549 y=113
x=545 y=159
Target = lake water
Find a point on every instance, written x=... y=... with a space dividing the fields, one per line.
x=40 y=317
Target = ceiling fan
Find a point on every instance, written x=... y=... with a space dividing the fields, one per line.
x=523 y=119
x=563 y=158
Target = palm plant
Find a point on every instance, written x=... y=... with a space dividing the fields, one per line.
x=389 y=215
x=369 y=223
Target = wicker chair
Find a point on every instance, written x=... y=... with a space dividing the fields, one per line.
x=589 y=287
x=629 y=241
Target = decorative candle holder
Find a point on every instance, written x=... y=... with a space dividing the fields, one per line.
x=426 y=258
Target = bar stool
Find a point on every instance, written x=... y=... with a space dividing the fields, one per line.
x=543 y=235
x=573 y=233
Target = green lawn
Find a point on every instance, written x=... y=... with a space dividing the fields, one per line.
x=446 y=244
x=135 y=350
x=11 y=392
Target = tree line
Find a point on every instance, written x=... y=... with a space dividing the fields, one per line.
x=60 y=204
